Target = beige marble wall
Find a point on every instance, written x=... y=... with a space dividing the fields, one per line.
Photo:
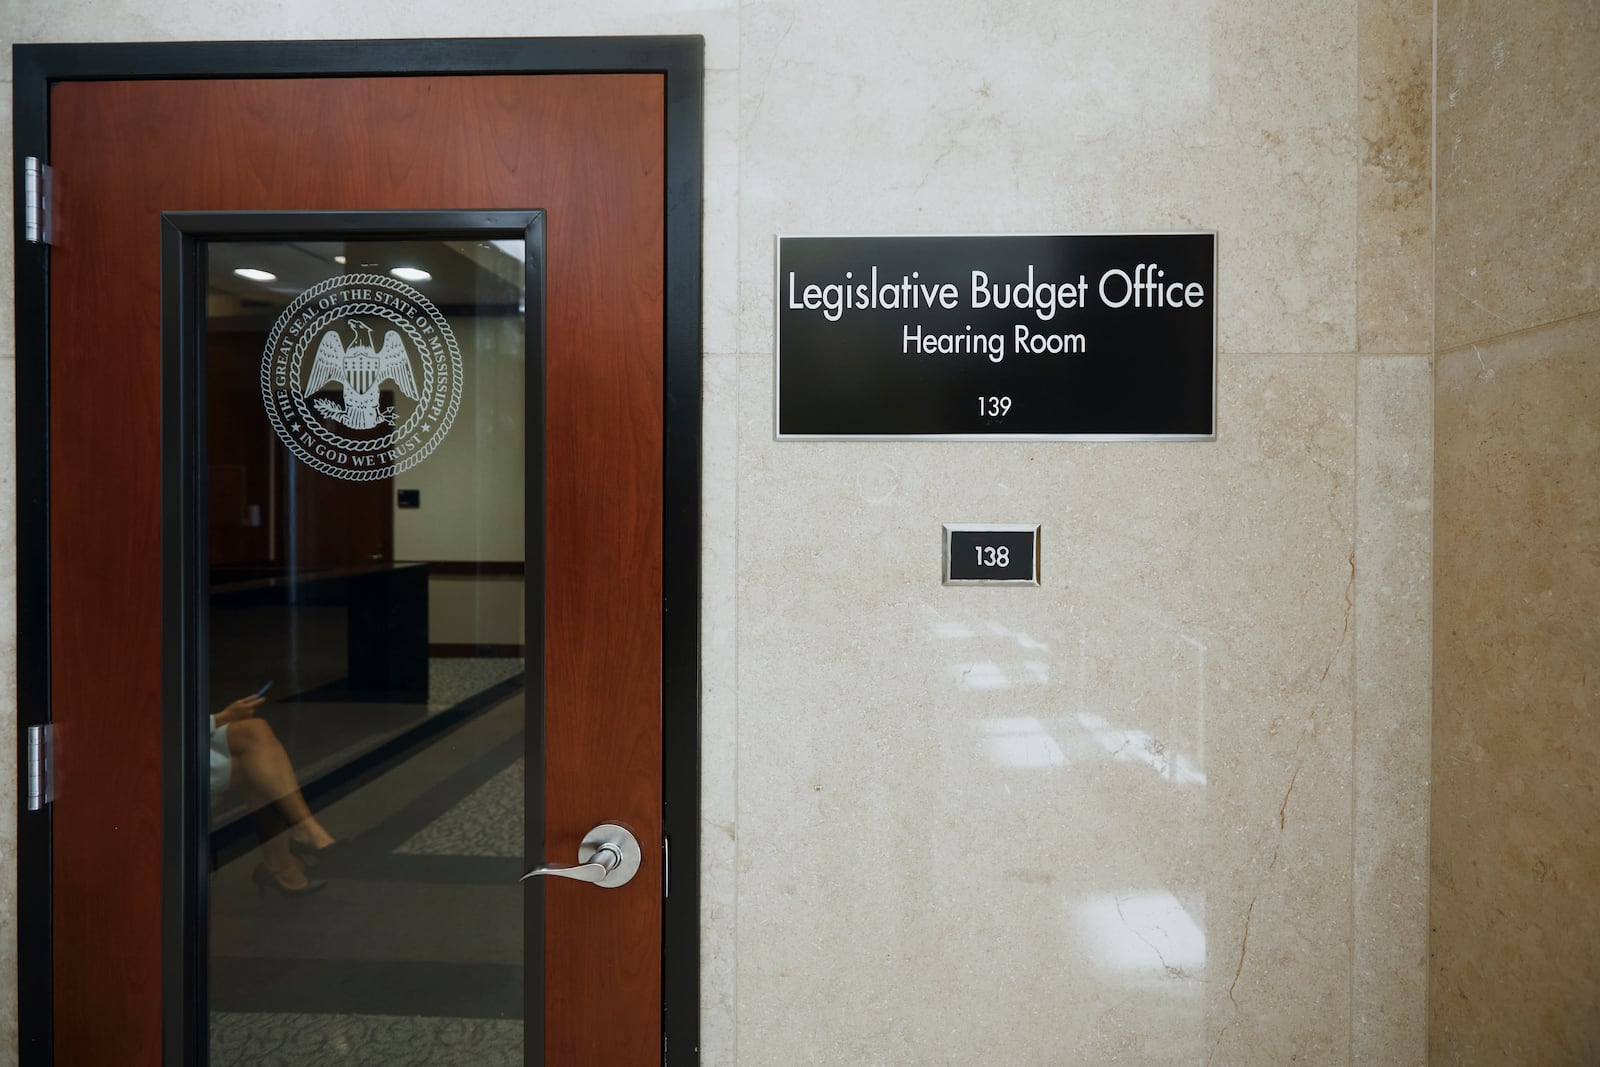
x=1516 y=934
x=1392 y=590
x=1394 y=223
x=1518 y=100
x=1516 y=937
x=1393 y=602
x=1171 y=807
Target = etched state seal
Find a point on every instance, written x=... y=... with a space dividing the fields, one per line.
x=348 y=404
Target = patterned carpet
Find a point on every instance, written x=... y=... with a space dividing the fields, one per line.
x=454 y=679
x=412 y=953
x=489 y=822
x=240 y=1039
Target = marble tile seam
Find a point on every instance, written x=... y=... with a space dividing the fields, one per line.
x=733 y=700
x=1432 y=223
x=1354 y=193
x=1433 y=523
x=1386 y=511
x=1519 y=333
x=1352 y=624
x=1369 y=358
x=1398 y=353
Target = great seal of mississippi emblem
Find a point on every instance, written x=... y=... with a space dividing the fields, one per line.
x=327 y=362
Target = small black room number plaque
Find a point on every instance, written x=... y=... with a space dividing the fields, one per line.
x=989 y=554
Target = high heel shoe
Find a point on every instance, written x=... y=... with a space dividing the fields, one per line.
x=311 y=855
x=265 y=880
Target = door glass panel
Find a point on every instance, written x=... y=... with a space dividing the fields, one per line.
x=365 y=649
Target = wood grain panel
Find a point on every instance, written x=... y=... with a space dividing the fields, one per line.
x=586 y=148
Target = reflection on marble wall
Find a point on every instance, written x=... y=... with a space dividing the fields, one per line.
x=1105 y=821
x=1224 y=821
x=1101 y=821
x=1516 y=931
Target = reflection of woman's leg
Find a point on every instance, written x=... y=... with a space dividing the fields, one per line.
x=260 y=761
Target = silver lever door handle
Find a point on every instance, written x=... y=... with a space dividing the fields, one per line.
x=609 y=857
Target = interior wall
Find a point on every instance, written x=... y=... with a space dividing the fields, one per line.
x=476 y=610
x=471 y=487
x=1172 y=806
x=1516 y=801
x=471 y=492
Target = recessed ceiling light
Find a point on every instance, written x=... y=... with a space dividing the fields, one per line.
x=255 y=275
x=411 y=274
x=339 y=260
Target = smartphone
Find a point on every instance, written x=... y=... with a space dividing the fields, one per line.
x=263 y=690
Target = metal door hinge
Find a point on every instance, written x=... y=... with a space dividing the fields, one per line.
x=41 y=766
x=38 y=226
x=666 y=867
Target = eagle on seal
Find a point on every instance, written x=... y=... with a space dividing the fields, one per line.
x=360 y=369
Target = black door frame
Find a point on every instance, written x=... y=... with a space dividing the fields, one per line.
x=681 y=61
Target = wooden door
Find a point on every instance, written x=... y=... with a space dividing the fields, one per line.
x=588 y=150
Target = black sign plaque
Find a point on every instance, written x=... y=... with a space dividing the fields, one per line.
x=1081 y=337
x=990 y=554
